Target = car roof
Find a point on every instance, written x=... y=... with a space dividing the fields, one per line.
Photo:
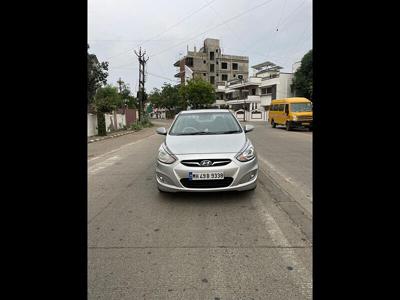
x=290 y=100
x=204 y=111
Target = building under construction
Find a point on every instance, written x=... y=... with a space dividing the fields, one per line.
x=210 y=64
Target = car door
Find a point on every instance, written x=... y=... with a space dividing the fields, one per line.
x=279 y=114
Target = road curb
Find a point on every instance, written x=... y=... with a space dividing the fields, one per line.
x=111 y=136
x=124 y=133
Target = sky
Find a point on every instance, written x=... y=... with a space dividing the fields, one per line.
x=279 y=31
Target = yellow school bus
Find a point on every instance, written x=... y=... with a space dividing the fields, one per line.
x=291 y=112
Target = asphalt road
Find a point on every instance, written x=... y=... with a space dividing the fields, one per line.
x=149 y=245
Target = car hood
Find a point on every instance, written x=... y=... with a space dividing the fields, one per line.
x=199 y=144
x=303 y=114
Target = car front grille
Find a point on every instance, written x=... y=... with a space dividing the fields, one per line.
x=204 y=184
x=305 y=118
x=215 y=162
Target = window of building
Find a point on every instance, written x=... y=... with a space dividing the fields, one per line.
x=253 y=91
x=204 y=74
x=189 y=61
x=234 y=66
x=263 y=91
x=211 y=67
x=224 y=77
x=240 y=76
x=216 y=51
x=224 y=65
x=204 y=61
x=211 y=55
x=269 y=90
x=217 y=63
x=234 y=75
x=212 y=79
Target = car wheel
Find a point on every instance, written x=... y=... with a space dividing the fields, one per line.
x=288 y=127
x=273 y=124
x=160 y=190
x=253 y=188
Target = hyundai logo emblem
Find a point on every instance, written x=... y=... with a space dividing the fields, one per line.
x=206 y=163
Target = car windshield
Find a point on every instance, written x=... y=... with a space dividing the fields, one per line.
x=205 y=123
x=300 y=107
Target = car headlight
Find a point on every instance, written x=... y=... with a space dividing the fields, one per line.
x=294 y=118
x=165 y=157
x=247 y=154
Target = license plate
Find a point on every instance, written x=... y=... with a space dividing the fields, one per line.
x=206 y=176
x=305 y=123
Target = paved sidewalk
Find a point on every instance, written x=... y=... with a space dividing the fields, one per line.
x=110 y=135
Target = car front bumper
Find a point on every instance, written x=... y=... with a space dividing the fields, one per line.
x=244 y=174
x=301 y=123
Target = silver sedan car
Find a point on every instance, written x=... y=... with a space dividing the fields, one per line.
x=206 y=151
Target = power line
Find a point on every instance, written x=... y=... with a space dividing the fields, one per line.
x=159 y=40
x=179 y=22
x=159 y=76
x=169 y=28
x=218 y=25
x=280 y=19
x=280 y=22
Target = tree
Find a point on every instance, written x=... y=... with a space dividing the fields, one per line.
x=106 y=100
x=168 y=97
x=156 y=99
x=126 y=95
x=198 y=93
x=171 y=97
x=97 y=75
x=303 y=77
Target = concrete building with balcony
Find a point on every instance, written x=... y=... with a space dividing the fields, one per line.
x=210 y=64
x=250 y=98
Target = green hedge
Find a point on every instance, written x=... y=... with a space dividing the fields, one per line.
x=142 y=124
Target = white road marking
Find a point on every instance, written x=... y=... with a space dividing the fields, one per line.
x=304 y=198
x=273 y=168
x=115 y=150
x=104 y=164
x=301 y=276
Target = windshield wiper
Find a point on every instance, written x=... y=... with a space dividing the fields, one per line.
x=197 y=133
x=208 y=132
x=227 y=132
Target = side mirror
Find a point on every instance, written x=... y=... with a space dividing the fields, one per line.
x=161 y=130
x=248 y=128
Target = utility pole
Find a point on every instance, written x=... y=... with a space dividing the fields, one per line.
x=120 y=82
x=142 y=63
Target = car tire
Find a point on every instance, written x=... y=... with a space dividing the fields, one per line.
x=273 y=124
x=253 y=188
x=288 y=127
x=161 y=191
